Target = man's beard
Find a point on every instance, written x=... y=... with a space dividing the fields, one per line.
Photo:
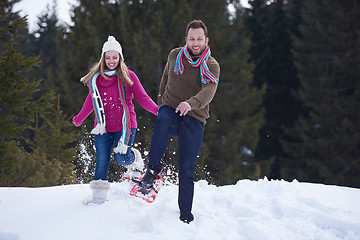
x=201 y=50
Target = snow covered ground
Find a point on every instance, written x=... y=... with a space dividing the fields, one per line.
x=258 y=210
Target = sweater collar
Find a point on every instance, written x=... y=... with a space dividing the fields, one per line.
x=105 y=82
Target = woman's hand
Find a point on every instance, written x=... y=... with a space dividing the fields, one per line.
x=76 y=123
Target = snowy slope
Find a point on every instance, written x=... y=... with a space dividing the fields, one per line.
x=259 y=210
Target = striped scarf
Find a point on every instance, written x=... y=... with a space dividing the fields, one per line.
x=100 y=113
x=206 y=75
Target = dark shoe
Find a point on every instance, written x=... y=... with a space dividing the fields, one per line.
x=148 y=179
x=186 y=219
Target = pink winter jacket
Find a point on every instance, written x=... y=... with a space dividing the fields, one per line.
x=110 y=96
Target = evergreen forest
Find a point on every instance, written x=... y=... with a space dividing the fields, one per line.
x=287 y=105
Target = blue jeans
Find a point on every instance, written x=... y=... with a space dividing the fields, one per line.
x=104 y=144
x=190 y=134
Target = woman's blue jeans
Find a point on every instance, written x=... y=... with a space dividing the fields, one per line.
x=104 y=144
x=190 y=134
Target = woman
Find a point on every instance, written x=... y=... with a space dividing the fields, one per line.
x=111 y=90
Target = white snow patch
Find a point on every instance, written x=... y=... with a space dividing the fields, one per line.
x=248 y=210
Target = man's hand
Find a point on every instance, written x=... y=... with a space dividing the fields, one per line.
x=184 y=108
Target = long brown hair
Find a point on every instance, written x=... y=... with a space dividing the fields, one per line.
x=121 y=71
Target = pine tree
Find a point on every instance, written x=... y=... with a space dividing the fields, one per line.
x=274 y=68
x=17 y=103
x=21 y=168
x=55 y=138
x=231 y=134
x=325 y=144
x=46 y=42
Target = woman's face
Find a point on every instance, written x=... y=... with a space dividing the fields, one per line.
x=112 y=59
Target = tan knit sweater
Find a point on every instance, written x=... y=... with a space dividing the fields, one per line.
x=175 y=89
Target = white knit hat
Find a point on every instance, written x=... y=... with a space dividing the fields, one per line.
x=112 y=45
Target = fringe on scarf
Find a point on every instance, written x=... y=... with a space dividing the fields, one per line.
x=99 y=129
x=205 y=74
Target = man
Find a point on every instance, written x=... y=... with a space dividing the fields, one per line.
x=188 y=85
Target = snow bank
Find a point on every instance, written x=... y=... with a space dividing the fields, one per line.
x=249 y=210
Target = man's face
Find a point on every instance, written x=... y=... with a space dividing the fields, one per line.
x=196 y=41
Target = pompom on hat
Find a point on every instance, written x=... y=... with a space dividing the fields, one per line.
x=112 y=45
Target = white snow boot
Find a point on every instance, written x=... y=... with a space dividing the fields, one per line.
x=100 y=189
x=135 y=169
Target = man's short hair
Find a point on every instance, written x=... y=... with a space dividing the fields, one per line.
x=196 y=24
